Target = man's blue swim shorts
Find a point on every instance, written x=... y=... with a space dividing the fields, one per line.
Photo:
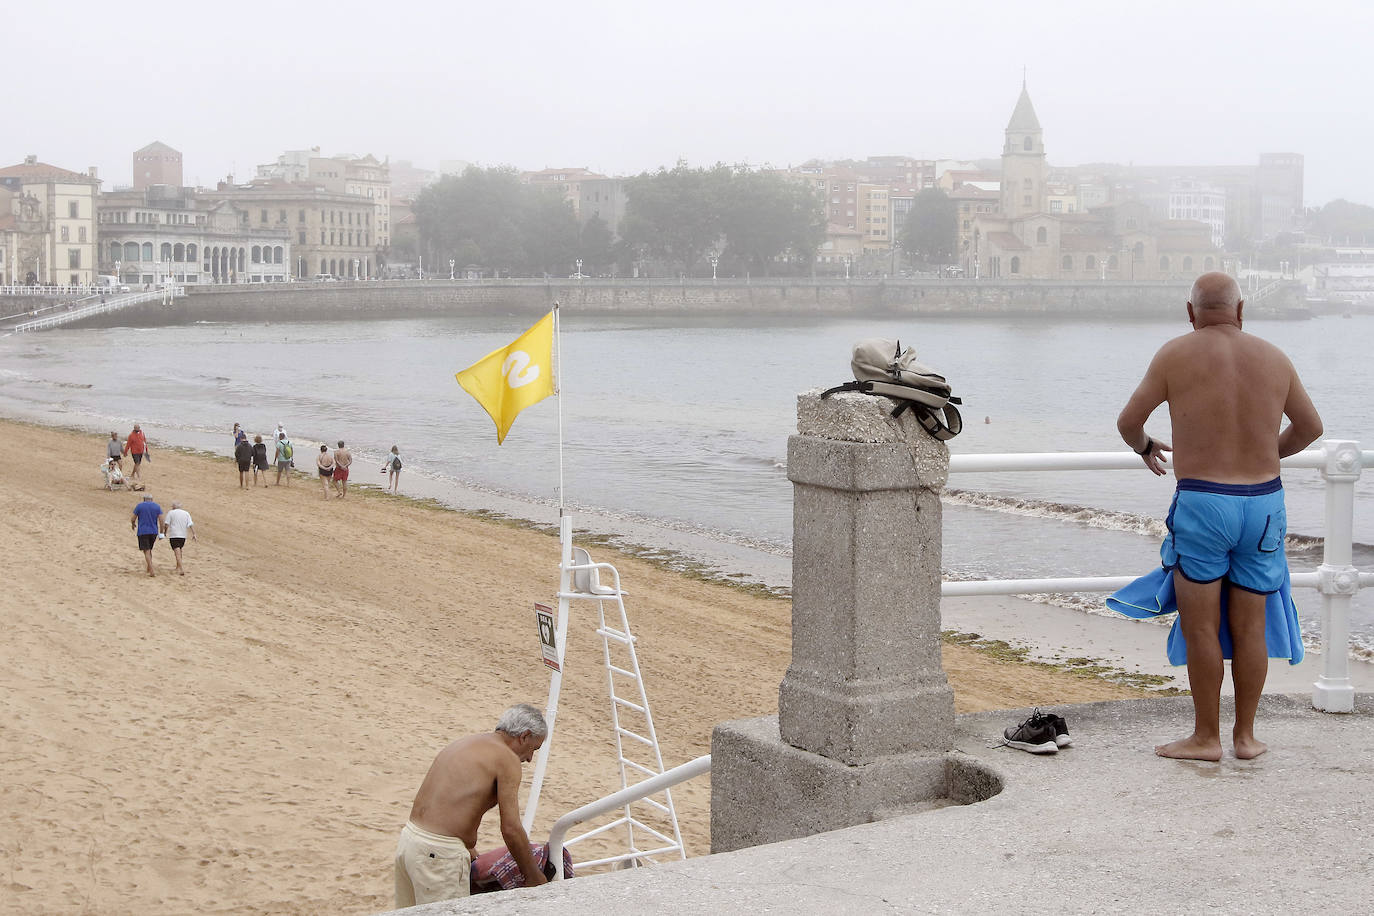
x=1230 y=530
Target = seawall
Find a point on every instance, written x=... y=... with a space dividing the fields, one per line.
x=781 y=298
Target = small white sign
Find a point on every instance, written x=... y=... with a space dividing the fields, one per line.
x=543 y=614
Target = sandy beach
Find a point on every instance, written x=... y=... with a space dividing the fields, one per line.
x=248 y=738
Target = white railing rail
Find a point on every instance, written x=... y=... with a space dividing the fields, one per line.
x=60 y=315
x=640 y=790
x=1340 y=462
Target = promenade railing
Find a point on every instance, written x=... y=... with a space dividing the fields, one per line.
x=66 y=313
x=1340 y=462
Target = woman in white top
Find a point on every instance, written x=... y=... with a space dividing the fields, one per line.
x=392 y=465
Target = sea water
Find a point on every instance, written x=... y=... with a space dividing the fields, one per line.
x=680 y=425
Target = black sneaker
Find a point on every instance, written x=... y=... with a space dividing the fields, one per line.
x=1061 y=729
x=1035 y=735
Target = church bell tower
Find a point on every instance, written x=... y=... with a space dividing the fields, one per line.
x=1024 y=170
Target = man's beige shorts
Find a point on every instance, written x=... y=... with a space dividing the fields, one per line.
x=430 y=867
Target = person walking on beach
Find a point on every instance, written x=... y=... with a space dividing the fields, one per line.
x=259 y=460
x=392 y=465
x=114 y=450
x=283 y=458
x=239 y=435
x=145 y=521
x=467 y=779
x=136 y=445
x=1228 y=393
x=243 y=456
x=325 y=462
x=177 y=526
x=343 y=458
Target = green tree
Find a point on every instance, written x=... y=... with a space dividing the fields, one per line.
x=1342 y=222
x=550 y=233
x=675 y=214
x=595 y=246
x=764 y=217
x=931 y=227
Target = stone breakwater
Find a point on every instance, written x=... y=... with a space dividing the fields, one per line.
x=783 y=298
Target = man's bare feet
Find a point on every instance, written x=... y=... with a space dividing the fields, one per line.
x=1190 y=748
x=1249 y=748
x=181 y=572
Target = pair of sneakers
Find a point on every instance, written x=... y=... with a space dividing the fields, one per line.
x=1042 y=733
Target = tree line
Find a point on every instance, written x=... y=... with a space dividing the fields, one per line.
x=749 y=221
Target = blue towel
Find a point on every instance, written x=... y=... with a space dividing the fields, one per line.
x=1152 y=595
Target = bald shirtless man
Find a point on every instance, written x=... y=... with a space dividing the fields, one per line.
x=1228 y=393
x=468 y=778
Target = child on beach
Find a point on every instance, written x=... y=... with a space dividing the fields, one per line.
x=391 y=466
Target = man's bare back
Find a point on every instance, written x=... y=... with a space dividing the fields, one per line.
x=467 y=779
x=461 y=786
x=1228 y=392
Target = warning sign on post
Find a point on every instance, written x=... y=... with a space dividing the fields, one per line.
x=547 y=641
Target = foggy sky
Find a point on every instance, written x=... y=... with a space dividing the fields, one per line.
x=623 y=87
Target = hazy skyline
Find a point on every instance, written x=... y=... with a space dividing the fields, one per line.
x=624 y=87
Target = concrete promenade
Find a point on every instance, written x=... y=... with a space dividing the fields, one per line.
x=1101 y=827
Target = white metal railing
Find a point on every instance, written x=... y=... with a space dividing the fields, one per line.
x=60 y=315
x=63 y=290
x=1340 y=462
x=636 y=792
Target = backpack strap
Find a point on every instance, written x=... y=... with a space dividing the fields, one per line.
x=865 y=387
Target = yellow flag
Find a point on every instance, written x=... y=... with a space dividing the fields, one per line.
x=508 y=380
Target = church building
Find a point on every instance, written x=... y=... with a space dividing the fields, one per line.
x=1117 y=241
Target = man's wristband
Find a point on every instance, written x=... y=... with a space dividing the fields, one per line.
x=1149 y=447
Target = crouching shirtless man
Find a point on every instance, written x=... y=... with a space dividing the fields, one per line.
x=1228 y=393
x=468 y=778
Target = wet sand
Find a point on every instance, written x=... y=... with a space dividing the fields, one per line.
x=247 y=738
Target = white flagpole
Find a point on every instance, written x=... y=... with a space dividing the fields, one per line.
x=541 y=760
x=558 y=393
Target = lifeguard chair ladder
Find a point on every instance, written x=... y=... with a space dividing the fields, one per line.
x=650 y=824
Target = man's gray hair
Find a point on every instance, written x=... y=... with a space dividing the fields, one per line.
x=521 y=718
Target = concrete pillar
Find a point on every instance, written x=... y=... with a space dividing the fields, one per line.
x=865 y=714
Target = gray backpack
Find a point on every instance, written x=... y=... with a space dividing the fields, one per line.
x=882 y=367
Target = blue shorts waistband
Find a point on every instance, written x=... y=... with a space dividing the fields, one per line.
x=1231 y=489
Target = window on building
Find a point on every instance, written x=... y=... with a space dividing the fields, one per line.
x=116 y=251
x=1090 y=263
x=1188 y=263
x=1027 y=145
x=1027 y=184
x=1015 y=264
x=1026 y=201
x=66 y=234
x=1163 y=262
x=300 y=237
x=191 y=253
x=300 y=217
x=1067 y=263
x=1056 y=206
x=1112 y=263
x=257 y=254
x=277 y=253
x=264 y=214
x=147 y=251
x=74 y=258
x=281 y=216
x=1207 y=263
x=1042 y=236
x=74 y=209
x=1138 y=251
x=165 y=253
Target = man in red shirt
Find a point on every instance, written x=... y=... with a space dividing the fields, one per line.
x=137 y=446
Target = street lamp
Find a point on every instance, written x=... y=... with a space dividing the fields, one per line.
x=355 y=268
x=300 y=267
x=848 y=259
x=451 y=262
x=579 y=268
x=715 y=259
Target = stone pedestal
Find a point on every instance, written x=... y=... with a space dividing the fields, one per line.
x=865 y=715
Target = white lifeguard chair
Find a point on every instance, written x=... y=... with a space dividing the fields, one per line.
x=650 y=824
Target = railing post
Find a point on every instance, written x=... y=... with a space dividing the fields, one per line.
x=1338 y=579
